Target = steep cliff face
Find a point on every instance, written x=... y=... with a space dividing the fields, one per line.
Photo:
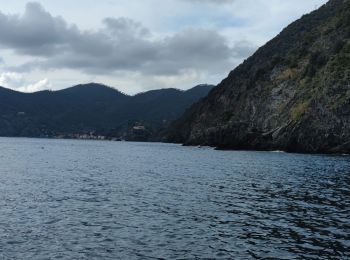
x=293 y=94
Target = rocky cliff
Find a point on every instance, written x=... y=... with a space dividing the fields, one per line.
x=293 y=94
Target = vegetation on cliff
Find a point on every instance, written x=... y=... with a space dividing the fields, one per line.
x=293 y=94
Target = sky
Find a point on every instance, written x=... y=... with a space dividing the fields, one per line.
x=134 y=45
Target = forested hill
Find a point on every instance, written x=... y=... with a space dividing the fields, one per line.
x=293 y=94
x=91 y=108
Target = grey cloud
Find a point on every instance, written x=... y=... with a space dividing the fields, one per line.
x=195 y=48
x=36 y=32
x=121 y=45
x=210 y=1
x=243 y=49
x=124 y=27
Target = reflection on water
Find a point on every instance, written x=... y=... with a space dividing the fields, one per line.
x=117 y=200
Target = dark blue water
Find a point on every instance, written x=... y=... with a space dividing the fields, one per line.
x=62 y=199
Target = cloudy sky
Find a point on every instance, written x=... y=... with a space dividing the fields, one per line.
x=134 y=45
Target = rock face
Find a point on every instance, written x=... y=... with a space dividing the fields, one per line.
x=293 y=94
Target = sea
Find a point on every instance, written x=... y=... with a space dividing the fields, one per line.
x=76 y=199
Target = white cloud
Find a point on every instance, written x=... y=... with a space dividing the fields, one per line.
x=11 y=80
x=43 y=84
x=16 y=81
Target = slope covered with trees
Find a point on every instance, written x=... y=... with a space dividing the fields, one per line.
x=90 y=108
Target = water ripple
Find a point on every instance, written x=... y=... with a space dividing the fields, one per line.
x=109 y=200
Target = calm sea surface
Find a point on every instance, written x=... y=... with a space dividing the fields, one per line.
x=66 y=199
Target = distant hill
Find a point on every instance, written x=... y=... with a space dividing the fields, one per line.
x=91 y=108
x=293 y=94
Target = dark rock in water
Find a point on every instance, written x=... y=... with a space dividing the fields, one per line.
x=293 y=94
